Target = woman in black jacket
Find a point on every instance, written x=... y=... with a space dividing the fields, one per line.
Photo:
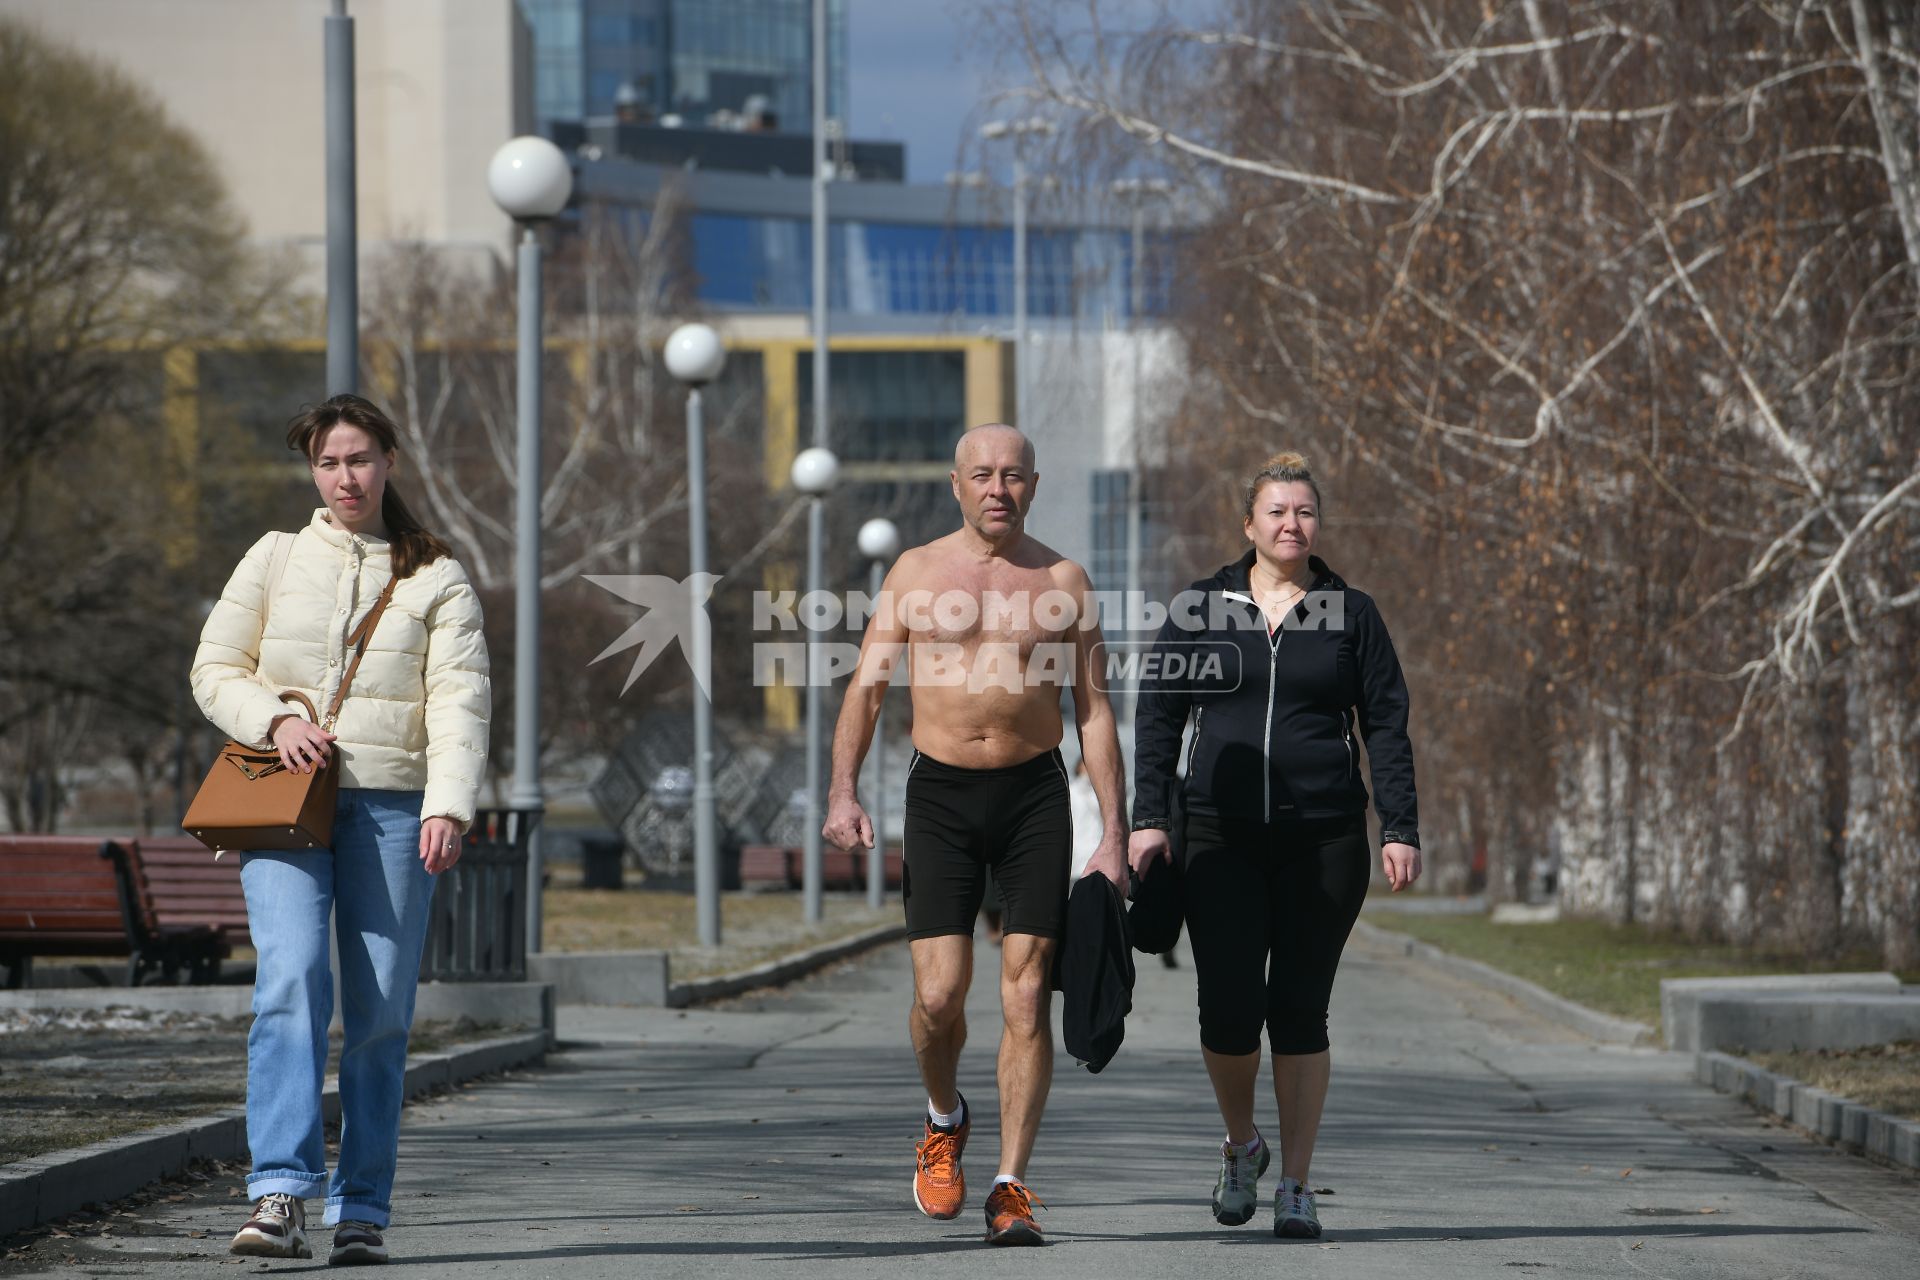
x=1278 y=662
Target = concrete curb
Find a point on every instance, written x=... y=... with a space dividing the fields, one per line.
x=54 y=1185
x=507 y=1003
x=1588 y=1022
x=1846 y=1124
x=775 y=973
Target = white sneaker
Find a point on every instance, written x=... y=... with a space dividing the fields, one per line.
x=277 y=1229
x=357 y=1244
x=1294 y=1215
x=1236 y=1193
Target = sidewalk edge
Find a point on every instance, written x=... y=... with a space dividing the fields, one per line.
x=1841 y=1122
x=1591 y=1023
x=54 y=1185
x=776 y=973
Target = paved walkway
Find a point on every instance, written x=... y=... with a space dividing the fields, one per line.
x=1464 y=1137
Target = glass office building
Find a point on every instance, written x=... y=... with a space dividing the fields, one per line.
x=903 y=269
x=691 y=57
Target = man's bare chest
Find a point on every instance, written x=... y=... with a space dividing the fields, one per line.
x=1005 y=610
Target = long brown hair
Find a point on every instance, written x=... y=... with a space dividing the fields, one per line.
x=413 y=547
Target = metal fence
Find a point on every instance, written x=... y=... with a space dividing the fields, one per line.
x=478 y=931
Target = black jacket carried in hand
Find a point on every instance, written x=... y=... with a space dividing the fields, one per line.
x=1275 y=717
x=1158 y=904
x=1095 y=972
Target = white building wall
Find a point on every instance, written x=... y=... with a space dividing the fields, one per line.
x=439 y=84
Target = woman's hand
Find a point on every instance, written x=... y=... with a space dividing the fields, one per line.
x=1401 y=862
x=302 y=744
x=439 y=844
x=1145 y=845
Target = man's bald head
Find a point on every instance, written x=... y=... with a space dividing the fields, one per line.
x=990 y=438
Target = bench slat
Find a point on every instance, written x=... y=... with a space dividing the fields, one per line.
x=53 y=864
x=60 y=921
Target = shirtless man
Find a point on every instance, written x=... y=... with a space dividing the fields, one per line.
x=990 y=623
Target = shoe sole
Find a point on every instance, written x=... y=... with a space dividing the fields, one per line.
x=357 y=1255
x=1018 y=1234
x=1295 y=1230
x=921 y=1205
x=262 y=1247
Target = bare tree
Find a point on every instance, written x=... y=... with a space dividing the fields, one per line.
x=115 y=239
x=1605 y=317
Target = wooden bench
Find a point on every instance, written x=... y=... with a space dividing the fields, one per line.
x=196 y=907
x=772 y=866
x=59 y=896
x=769 y=866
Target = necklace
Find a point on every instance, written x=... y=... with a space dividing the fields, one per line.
x=1286 y=593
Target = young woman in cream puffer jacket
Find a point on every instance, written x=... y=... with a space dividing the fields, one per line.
x=411 y=747
x=415 y=717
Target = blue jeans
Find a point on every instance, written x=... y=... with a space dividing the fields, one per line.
x=374 y=884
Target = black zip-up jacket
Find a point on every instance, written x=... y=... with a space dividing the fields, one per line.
x=1275 y=717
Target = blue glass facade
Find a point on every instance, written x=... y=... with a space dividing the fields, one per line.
x=559 y=65
x=881 y=269
x=687 y=56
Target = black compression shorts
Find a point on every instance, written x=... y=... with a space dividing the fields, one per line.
x=959 y=822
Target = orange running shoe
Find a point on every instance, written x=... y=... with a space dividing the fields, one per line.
x=939 y=1188
x=1010 y=1215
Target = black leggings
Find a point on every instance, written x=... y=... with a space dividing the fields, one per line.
x=1290 y=890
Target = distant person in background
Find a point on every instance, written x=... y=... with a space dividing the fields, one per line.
x=411 y=746
x=1277 y=855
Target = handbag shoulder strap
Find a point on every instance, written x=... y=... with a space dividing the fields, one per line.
x=276 y=570
x=358 y=638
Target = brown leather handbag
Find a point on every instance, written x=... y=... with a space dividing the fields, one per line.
x=251 y=800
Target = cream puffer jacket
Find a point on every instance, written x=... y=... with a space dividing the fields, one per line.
x=415 y=717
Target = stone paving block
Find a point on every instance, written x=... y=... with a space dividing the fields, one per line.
x=1880 y=1134
x=109 y=1170
x=1679 y=998
x=1790 y=1023
x=1853 y=1124
x=20 y=1194
x=1832 y=1109
x=1806 y=1107
x=603 y=977
x=426 y=1072
x=1906 y=1143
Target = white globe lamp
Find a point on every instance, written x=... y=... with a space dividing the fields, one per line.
x=815 y=470
x=695 y=354
x=879 y=539
x=530 y=178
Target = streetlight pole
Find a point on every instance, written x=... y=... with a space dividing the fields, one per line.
x=343 y=247
x=813 y=474
x=879 y=541
x=812 y=855
x=530 y=180
x=1020 y=292
x=695 y=356
x=1019 y=131
x=1135 y=191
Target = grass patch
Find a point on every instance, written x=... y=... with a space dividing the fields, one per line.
x=755 y=927
x=1884 y=1077
x=1611 y=967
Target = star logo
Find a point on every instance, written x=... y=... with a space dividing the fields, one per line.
x=672 y=610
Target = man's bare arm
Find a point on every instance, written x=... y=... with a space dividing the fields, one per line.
x=1099 y=739
x=883 y=645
